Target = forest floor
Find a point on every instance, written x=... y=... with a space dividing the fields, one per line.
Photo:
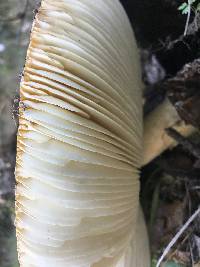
x=170 y=184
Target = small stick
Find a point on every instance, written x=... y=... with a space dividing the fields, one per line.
x=190 y=146
x=176 y=237
x=188 y=18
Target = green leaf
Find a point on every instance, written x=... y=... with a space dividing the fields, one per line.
x=186 y=10
x=183 y=6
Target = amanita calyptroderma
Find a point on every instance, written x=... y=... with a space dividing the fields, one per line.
x=79 y=146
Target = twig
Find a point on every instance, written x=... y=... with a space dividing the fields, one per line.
x=188 y=18
x=191 y=147
x=191 y=253
x=176 y=237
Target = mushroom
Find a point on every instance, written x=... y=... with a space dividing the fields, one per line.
x=155 y=139
x=80 y=139
x=79 y=143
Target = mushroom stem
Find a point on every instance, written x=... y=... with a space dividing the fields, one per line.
x=156 y=140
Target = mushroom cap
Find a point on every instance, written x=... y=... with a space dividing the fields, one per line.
x=79 y=140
